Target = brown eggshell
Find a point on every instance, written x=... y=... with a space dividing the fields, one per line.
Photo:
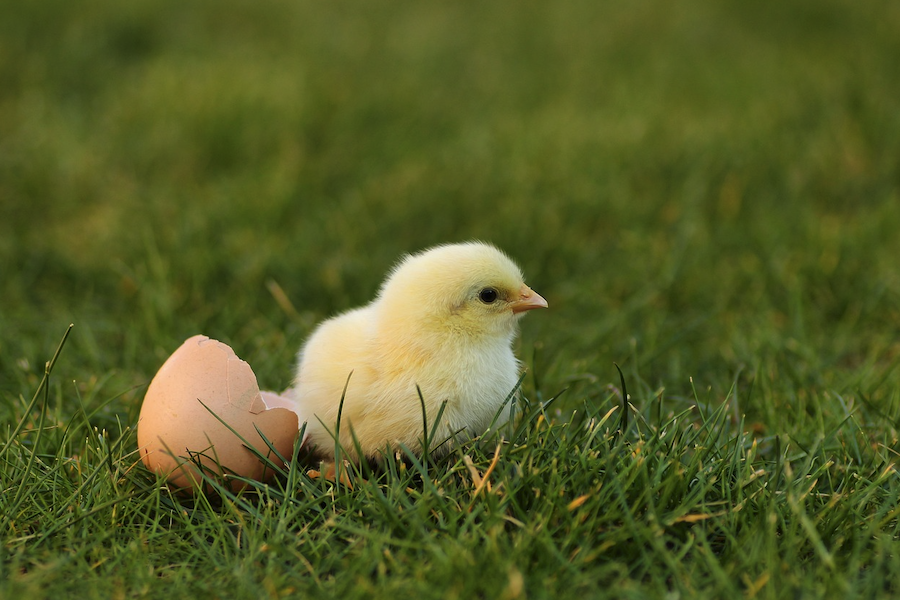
x=175 y=429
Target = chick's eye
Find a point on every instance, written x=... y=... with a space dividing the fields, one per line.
x=487 y=295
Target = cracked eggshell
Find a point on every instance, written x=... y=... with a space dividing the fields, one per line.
x=175 y=429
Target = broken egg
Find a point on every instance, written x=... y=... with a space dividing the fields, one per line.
x=203 y=408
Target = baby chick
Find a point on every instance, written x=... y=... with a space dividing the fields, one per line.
x=444 y=320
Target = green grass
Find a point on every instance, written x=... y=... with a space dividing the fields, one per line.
x=707 y=193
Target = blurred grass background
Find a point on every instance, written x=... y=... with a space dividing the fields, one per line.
x=700 y=189
x=694 y=187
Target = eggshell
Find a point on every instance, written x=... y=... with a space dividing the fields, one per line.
x=177 y=426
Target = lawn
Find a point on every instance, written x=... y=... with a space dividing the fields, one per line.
x=707 y=194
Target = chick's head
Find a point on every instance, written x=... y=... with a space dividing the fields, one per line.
x=470 y=289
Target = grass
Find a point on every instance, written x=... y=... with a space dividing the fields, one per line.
x=708 y=194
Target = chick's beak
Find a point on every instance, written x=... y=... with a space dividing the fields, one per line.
x=528 y=299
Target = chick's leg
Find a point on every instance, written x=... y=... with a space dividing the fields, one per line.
x=328 y=470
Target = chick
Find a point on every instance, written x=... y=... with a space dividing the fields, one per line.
x=444 y=320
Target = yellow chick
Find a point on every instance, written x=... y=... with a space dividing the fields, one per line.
x=444 y=320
